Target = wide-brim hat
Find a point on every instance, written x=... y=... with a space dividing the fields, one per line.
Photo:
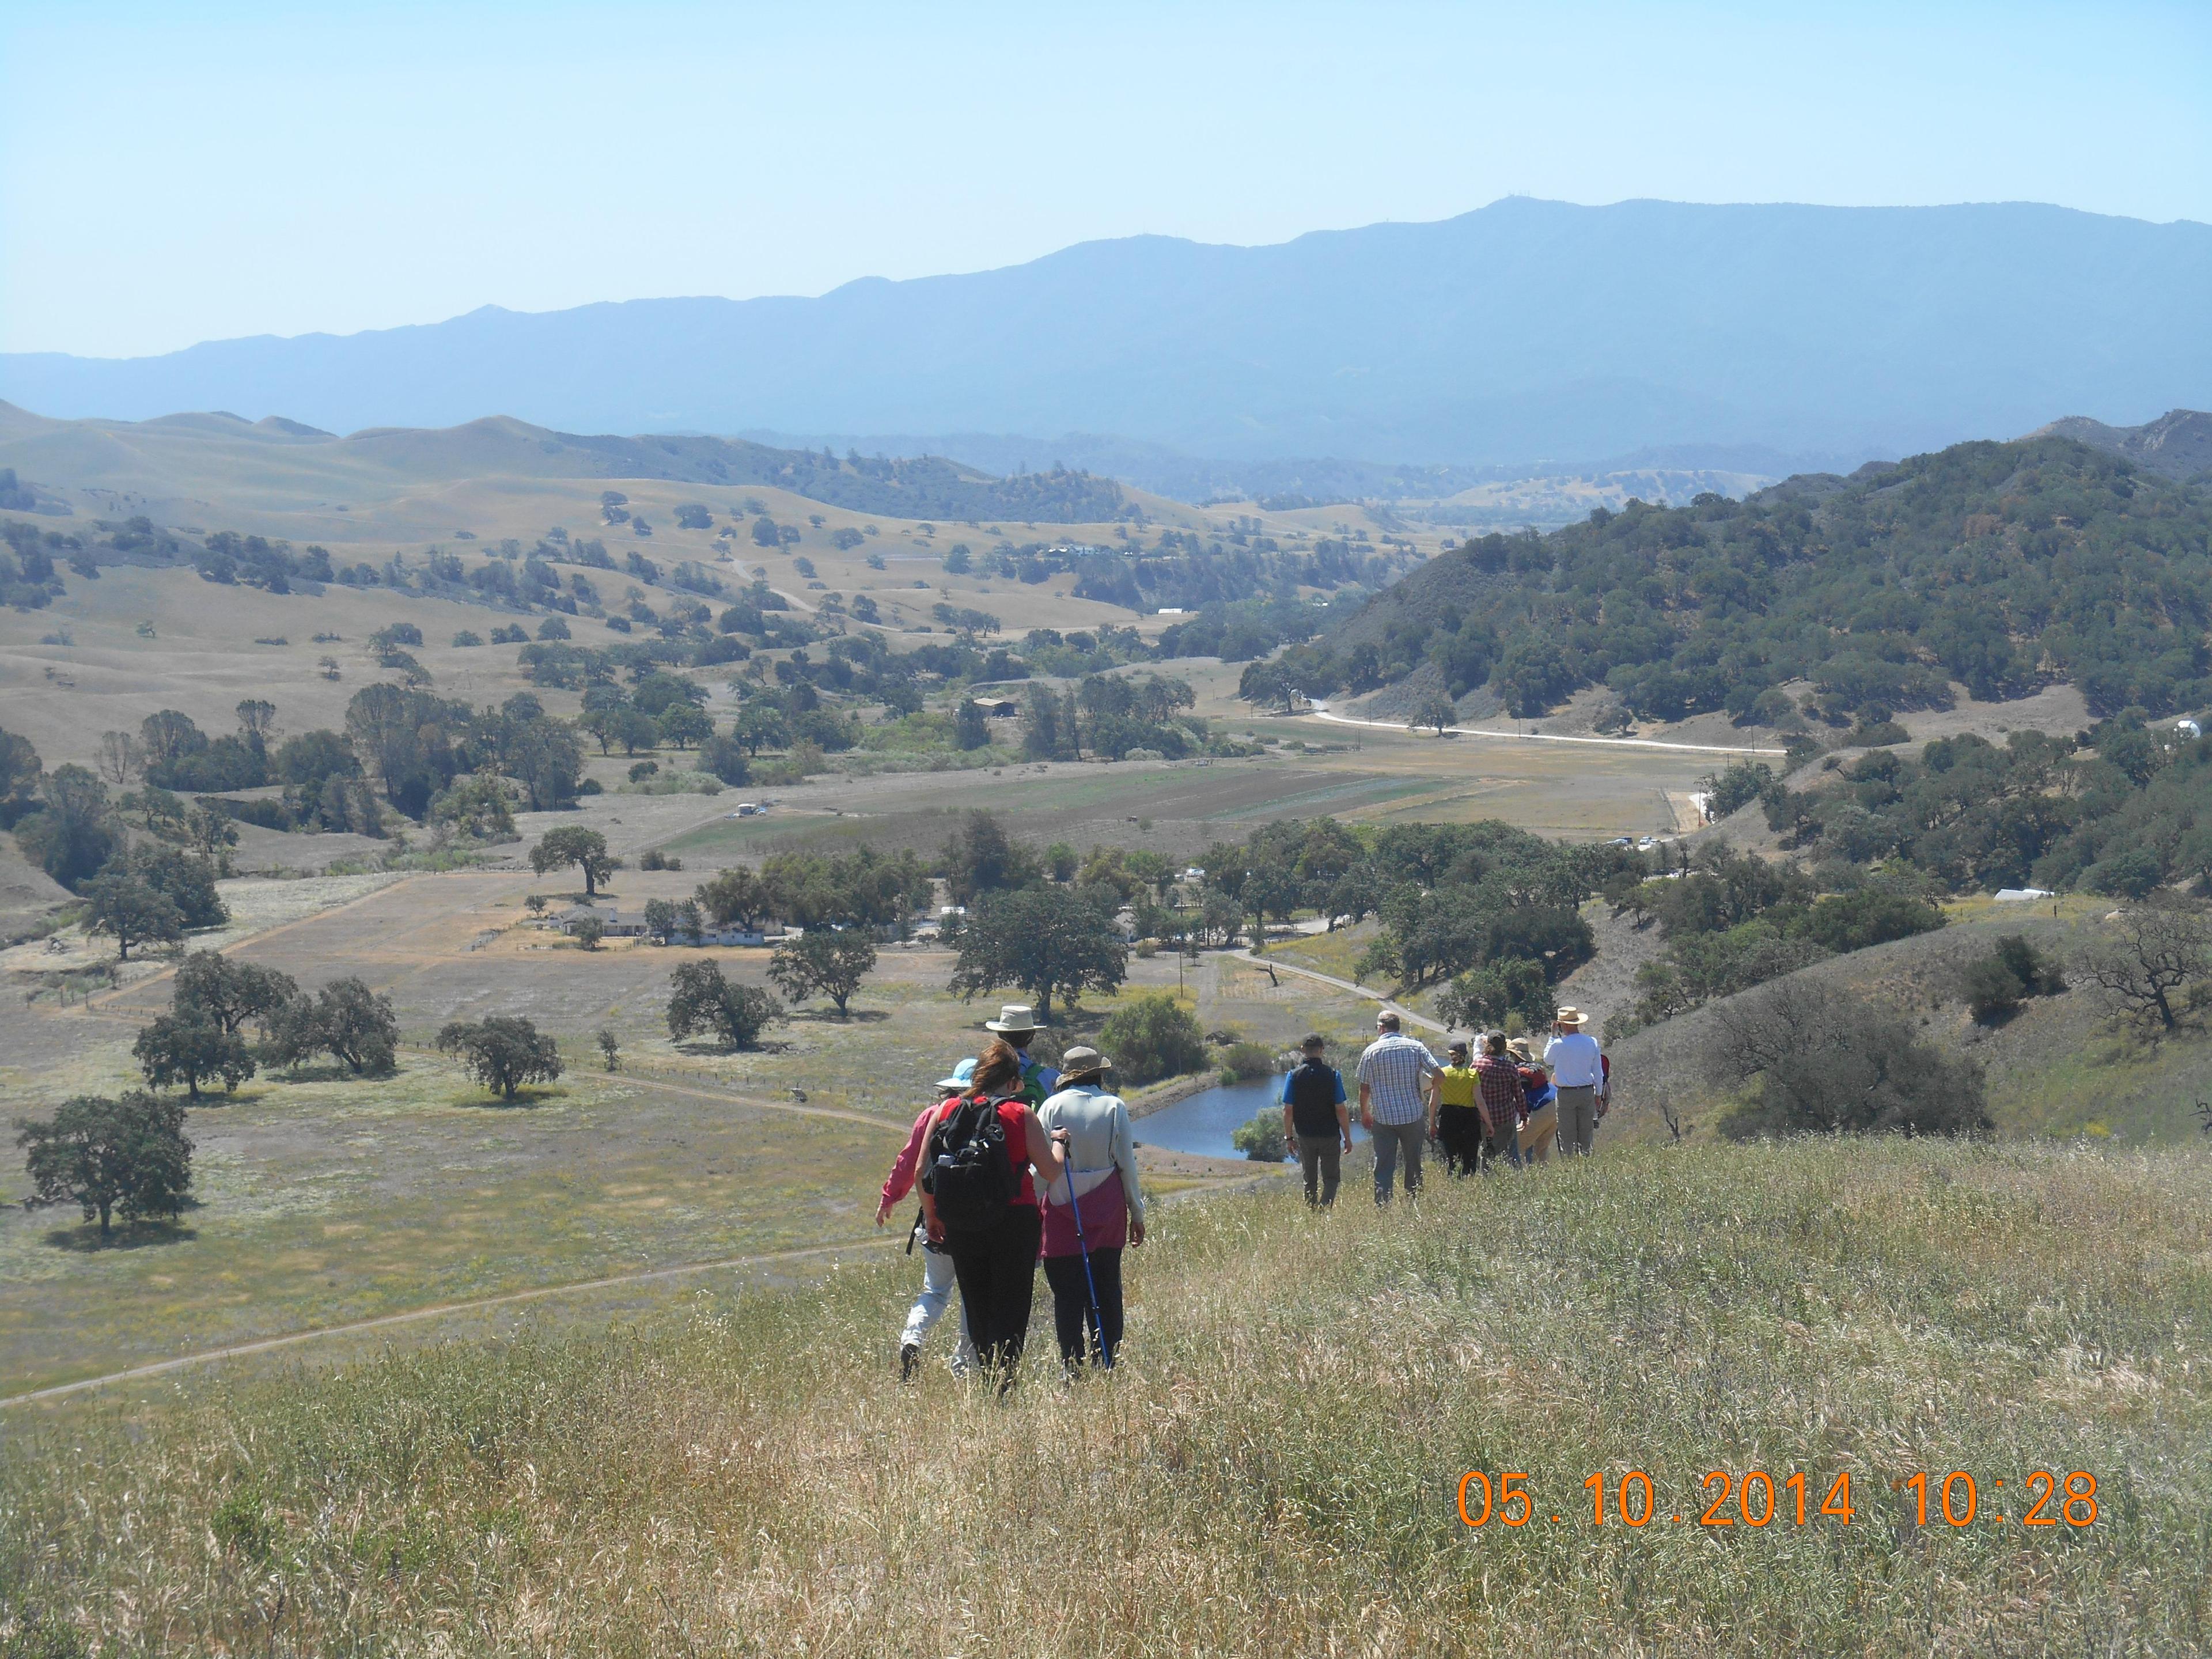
x=1078 y=1061
x=960 y=1076
x=1569 y=1015
x=1017 y=1018
x=1518 y=1046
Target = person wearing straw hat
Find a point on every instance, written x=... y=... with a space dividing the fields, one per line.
x=1577 y=1068
x=1091 y=1209
x=1016 y=1024
x=937 y=1276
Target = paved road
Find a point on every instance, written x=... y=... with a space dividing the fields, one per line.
x=1320 y=711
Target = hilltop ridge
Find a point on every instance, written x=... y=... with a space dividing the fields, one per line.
x=2177 y=444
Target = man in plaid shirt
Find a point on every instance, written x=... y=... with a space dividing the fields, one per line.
x=1397 y=1102
x=1499 y=1098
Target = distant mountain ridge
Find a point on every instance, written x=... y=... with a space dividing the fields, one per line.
x=1523 y=331
x=2177 y=444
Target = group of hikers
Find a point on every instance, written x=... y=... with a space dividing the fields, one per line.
x=1509 y=1105
x=1018 y=1162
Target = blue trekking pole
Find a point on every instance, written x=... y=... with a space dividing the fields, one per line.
x=1091 y=1285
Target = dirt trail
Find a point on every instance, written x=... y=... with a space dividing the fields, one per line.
x=1372 y=996
x=413 y=1315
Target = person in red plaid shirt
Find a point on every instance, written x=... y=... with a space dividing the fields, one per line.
x=1500 y=1098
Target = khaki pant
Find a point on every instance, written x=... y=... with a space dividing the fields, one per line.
x=1578 y=1120
x=1538 y=1134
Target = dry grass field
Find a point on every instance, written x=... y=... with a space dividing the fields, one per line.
x=1275 y=1466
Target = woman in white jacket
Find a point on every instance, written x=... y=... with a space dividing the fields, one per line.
x=1102 y=1180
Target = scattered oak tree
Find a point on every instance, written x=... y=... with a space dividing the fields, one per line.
x=738 y=895
x=134 y=912
x=573 y=844
x=1048 y=941
x=2155 y=969
x=127 y=1156
x=502 y=1052
x=823 y=962
x=1434 y=711
x=211 y=988
x=703 y=1002
x=70 y=837
x=179 y=1049
x=345 y=1019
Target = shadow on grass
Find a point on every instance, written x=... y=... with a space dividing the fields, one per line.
x=84 y=1239
x=831 y=1016
x=524 y=1098
x=704 y=1050
x=337 y=1072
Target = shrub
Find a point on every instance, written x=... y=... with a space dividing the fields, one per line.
x=2013 y=970
x=1852 y=921
x=1824 y=1061
x=1246 y=1060
x=1261 y=1138
x=1152 y=1036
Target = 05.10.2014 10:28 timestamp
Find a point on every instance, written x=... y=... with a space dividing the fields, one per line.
x=1756 y=1499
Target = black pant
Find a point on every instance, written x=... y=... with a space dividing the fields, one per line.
x=997 y=1270
x=1070 y=1304
x=1459 y=1132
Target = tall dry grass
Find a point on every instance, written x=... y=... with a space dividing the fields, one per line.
x=1271 y=1471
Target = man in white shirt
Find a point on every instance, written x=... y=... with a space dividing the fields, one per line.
x=1577 y=1068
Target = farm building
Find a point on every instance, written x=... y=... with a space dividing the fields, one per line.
x=611 y=926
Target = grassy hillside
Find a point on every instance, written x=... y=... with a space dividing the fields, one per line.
x=2054 y=1069
x=180 y=453
x=1999 y=567
x=1273 y=1469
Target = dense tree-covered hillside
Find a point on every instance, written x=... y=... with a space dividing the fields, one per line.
x=2002 y=566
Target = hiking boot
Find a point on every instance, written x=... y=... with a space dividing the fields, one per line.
x=910 y=1361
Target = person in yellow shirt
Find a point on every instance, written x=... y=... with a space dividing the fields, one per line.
x=1458 y=1124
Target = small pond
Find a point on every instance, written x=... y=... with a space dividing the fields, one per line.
x=1202 y=1124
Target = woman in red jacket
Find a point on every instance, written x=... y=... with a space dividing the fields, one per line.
x=995 y=1262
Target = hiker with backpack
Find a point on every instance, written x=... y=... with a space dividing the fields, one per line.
x=937 y=1277
x=979 y=1202
x=1091 y=1209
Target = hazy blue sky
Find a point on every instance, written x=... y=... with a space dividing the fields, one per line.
x=253 y=169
